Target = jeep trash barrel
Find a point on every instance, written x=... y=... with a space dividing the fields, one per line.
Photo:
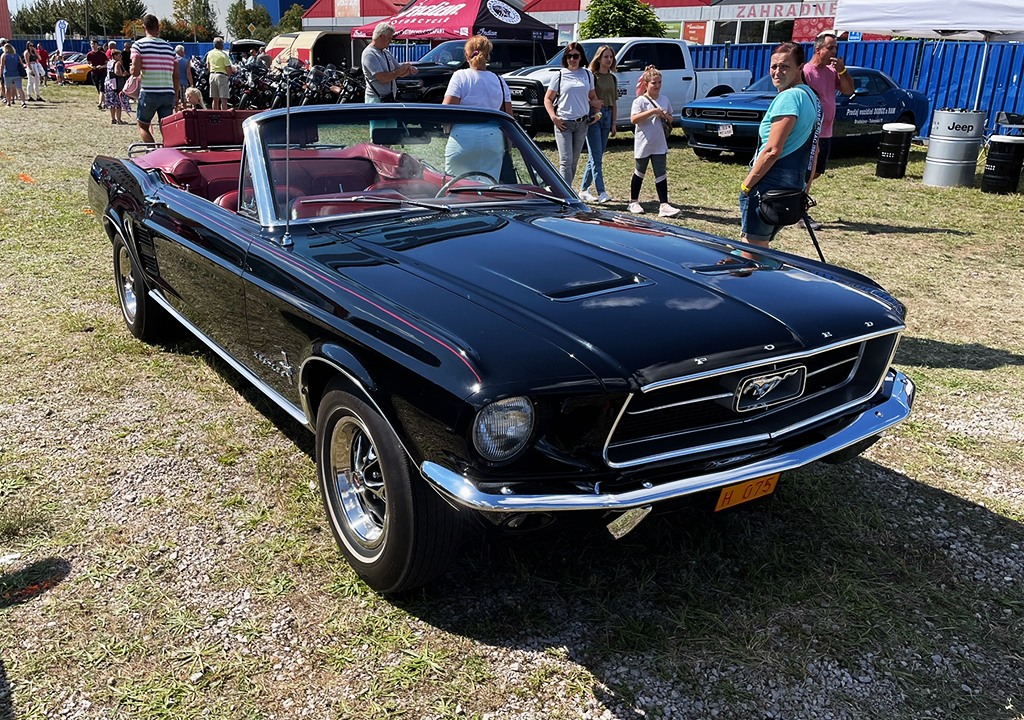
x=1003 y=166
x=894 y=149
x=953 y=144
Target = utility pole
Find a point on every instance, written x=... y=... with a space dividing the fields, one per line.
x=194 y=21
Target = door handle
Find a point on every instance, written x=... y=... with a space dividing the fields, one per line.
x=687 y=77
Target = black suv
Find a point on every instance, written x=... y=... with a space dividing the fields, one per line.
x=436 y=68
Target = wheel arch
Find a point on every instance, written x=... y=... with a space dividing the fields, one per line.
x=330 y=363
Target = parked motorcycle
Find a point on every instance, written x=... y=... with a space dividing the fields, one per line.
x=290 y=82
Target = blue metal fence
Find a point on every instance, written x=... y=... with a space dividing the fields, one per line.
x=191 y=49
x=947 y=72
x=408 y=53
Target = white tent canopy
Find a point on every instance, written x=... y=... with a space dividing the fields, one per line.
x=961 y=20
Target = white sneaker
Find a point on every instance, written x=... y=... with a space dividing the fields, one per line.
x=636 y=208
x=604 y=198
x=667 y=210
x=587 y=196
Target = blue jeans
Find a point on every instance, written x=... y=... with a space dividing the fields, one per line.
x=597 y=141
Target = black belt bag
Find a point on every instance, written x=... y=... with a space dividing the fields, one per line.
x=783 y=206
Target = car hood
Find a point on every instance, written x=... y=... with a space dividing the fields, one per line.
x=745 y=100
x=627 y=298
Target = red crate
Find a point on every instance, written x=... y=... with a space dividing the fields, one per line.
x=204 y=128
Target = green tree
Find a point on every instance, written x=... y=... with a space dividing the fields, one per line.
x=291 y=21
x=199 y=13
x=239 y=17
x=620 y=18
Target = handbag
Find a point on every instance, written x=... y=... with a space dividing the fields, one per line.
x=132 y=87
x=21 y=69
x=784 y=206
x=666 y=126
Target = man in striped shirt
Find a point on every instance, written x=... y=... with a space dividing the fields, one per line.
x=153 y=59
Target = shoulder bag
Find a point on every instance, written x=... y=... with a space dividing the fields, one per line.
x=132 y=87
x=786 y=206
x=666 y=126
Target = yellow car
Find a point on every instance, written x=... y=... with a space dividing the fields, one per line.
x=79 y=72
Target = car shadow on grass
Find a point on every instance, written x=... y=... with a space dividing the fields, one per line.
x=855 y=589
x=925 y=352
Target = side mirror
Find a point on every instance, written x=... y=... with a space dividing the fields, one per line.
x=630 y=65
x=860 y=91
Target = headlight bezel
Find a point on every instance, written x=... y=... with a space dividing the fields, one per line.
x=487 y=424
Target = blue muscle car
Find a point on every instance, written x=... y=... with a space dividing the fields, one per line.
x=730 y=121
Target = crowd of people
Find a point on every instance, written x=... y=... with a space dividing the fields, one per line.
x=165 y=81
x=794 y=135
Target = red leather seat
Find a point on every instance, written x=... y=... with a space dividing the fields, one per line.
x=229 y=200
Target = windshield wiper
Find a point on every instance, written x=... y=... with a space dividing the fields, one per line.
x=380 y=201
x=507 y=189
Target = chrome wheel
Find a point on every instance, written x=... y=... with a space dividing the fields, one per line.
x=357 y=482
x=126 y=284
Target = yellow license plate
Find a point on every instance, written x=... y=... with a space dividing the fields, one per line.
x=750 y=490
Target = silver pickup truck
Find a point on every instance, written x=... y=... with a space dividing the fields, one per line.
x=682 y=83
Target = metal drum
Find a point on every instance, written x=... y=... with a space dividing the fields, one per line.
x=894 y=150
x=953 y=143
x=1003 y=166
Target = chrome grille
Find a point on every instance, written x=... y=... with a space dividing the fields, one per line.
x=691 y=416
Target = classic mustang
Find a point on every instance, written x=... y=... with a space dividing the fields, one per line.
x=467 y=340
x=730 y=121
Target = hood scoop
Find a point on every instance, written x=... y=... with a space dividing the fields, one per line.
x=599 y=287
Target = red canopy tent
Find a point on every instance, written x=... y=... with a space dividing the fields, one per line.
x=460 y=19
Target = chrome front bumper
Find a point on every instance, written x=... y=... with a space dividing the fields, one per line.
x=892 y=411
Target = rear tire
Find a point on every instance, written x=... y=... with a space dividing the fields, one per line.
x=395 y=531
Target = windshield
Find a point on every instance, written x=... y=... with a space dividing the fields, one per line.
x=763 y=85
x=340 y=161
x=589 y=48
x=447 y=53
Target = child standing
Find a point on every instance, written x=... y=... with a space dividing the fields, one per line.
x=58 y=67
x=650 y=143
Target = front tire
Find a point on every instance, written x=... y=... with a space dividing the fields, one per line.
x=395 y=532
x=143 y=317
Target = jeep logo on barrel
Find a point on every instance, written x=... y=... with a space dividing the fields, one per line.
x=961 y=128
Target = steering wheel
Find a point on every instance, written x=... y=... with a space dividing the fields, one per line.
x=462 y=176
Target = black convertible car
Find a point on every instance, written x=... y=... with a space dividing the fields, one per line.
x=469 y=341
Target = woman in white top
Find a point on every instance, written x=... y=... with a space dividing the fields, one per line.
x=570 y=100
x=649 y=113
x=477 y=148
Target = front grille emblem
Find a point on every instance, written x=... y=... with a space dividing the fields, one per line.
x=761 y=391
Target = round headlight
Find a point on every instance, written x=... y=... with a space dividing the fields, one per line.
x=502 y=428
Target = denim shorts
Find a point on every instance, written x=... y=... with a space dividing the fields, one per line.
x=753 y=227
x=14 y=82
x=151 y=103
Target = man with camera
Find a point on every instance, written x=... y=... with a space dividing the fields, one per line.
x=380 y=69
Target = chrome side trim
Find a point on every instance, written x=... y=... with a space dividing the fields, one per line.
x=871 y=422
x=245 y=372
x=781 y=358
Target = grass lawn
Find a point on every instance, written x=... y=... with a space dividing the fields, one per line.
x=163 y=552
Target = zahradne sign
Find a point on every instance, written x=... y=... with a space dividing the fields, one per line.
x=772 y=11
